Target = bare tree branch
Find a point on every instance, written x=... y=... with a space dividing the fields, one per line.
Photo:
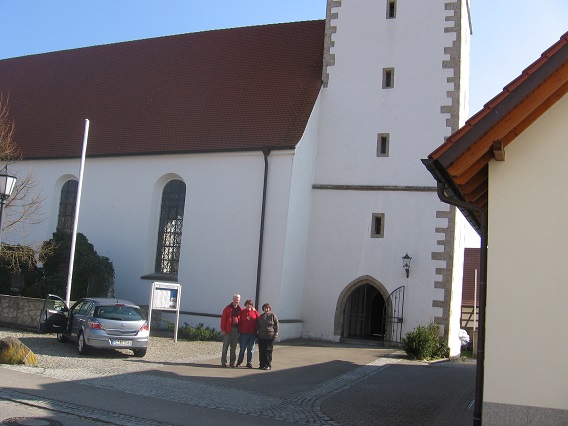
x=23 y=207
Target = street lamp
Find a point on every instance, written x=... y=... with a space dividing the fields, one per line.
x=7 y=183
x=406 y=264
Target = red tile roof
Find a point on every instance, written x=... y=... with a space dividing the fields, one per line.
x=235 y=89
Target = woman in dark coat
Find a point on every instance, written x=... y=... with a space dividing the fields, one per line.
x=267 y=332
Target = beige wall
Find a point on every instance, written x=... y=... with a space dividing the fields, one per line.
x=526 y=344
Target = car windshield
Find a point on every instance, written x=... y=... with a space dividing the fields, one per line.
x=119 y=313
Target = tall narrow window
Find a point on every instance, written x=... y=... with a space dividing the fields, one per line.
x=383 y=145
x=378 y=225
x=391 y=9
x=169 y=231
x=67 y=204
x=388 y=78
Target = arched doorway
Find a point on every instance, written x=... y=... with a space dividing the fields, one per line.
x=363 y=313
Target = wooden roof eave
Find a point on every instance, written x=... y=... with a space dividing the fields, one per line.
x=540 y=86
x=470 y=179
x=474 y=195
x=460 y=165
x=514 y=121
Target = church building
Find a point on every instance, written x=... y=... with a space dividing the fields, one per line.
x=280 y=162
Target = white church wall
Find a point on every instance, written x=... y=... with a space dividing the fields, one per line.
x=465 y=69
x=341 y=250
x=120 y=211
x=277 y=204
x=297 y=230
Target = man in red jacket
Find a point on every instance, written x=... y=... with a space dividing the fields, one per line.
x=230 y=329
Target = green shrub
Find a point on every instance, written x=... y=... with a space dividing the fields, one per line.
x=424 y=343
x=442 y=351
x=199 y=332
x=93 y=275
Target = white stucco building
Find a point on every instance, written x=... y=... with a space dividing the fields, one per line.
x=297 y=150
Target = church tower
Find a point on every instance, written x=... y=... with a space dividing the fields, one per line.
x=395 y=82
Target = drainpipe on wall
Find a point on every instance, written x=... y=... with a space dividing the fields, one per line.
x=266 y=152
x=478 y=406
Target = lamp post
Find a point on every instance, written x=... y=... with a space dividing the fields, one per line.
x=7 y=183
x=406 y=264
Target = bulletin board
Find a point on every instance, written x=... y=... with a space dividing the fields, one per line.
x=165 y=297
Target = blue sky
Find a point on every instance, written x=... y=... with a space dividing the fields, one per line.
x=508 y=35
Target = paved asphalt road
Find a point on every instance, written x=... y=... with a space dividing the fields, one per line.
x=311 y=383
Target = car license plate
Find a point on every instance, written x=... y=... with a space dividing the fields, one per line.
x=121 y=342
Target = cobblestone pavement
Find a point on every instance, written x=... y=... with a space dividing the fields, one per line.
x=33 y=407
x=335 y=392
x=303 y=407
x=414 y=394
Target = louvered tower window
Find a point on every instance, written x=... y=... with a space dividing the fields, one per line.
x=391 y=9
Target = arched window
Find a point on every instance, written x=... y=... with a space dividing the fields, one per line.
x=169 y=230
x=67 y=204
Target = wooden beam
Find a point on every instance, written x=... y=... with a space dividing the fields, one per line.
x=499 y=150
x=480 y=201
x=474 y=182
x=479 y=196
x=476 y=167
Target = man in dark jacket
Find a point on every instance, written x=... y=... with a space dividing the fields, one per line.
x=230 y=330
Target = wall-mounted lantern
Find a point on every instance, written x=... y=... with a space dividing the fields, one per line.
x=406 y=264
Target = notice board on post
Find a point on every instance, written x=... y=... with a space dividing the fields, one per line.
x=165 y=297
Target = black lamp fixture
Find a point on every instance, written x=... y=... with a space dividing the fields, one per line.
x=7 y=183
x=406 y=264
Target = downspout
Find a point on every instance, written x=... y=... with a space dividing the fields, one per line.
x=266 y=152
x=478 y=405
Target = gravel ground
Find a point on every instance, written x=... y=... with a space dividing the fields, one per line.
x=52 y=354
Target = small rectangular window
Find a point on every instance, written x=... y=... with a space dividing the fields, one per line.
x=383 y=145
x=378 y=225
x=391 y=9
x=388 y=78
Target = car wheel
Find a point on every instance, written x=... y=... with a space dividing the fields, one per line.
x=82 y=345
x=139 y=352
x=62 y=338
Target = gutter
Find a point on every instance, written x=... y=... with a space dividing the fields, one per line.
x=266 y=152
x=445 y=185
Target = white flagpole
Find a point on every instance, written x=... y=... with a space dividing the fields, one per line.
x=475 y=302
x=77 y=206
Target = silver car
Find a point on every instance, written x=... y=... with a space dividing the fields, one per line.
x=95 y=322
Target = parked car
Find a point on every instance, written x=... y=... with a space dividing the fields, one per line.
x=95 y=322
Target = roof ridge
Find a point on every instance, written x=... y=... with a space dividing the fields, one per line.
x=204 y=31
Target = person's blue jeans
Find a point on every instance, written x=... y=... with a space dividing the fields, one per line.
x=246 y=341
